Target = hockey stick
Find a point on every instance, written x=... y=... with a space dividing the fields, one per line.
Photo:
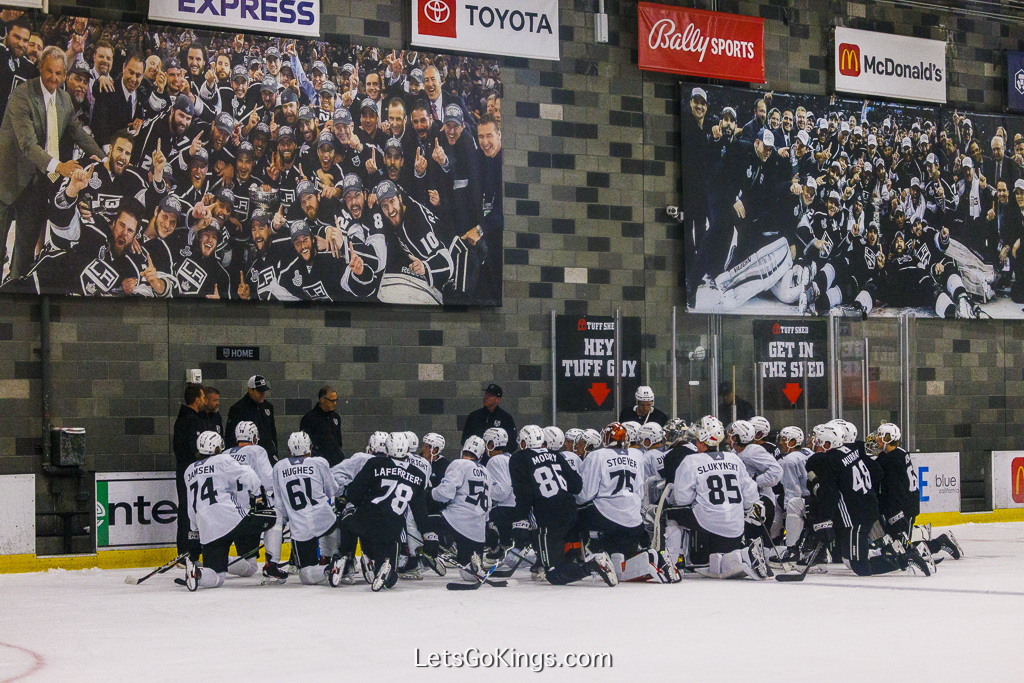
x=507 y=573
x=252 y=553
x=486 y=578
x=131 y=580
x=802 y=574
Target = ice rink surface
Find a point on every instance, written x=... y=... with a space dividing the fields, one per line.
x=964 y=624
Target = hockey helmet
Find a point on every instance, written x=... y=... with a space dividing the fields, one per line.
x=710 y=431
x=495 y=438
x=573 y=435
x=209 y=443
x=378 y=444
x=554 y=438
x=247 y=431
x=632 y=431
x=435 y=441
x=474 y=446
x=827 y=436
x=593 y=439
x=789 y=434
x=398 y=445
x=743 y=432
x=674 y=431
x=761 y=427
x=644 y=393
x=650 y=434
x=299 y=444
x=615 y=434
x=531 y=436
x=414 y=441
x=889 y=433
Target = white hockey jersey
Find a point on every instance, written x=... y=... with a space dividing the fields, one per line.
x=762 y=467
x=614 y=479
x=575 y=461
x=654 y=458
x=794 y=474
x=719 y=489
x=218 y=495
x=502 y=495
x=420 y=463
x=346 y=470
x=256 y=457
x=303 y=490
x=466 y=488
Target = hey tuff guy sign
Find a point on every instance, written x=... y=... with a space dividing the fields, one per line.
x=585 y=361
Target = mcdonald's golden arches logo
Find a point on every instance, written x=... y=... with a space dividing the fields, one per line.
x=849 y=59
x=1017 y=477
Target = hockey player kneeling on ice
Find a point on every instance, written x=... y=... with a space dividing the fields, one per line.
x=465 y=493
x=249 y=452
x=544 y=484
x=613 y=484
x=713 y=493
x=378 y=498
x=794 y=487
x=899 y=499
x=840 y=487
x=304 y=489
x=433 y=444
x=678 y=446
x=763 y=468
x=219 y=489
x=503 y=500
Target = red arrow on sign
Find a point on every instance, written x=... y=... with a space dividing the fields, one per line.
x=792 y=392
x=599 y=392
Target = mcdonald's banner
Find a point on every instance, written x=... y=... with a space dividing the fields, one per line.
x=886 y=65
x=710 y=44
x=938 y=481
x=1007 y=479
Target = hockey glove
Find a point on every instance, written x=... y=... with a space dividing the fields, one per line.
x=755 y=515
x=521 y=534
x=431 y=544
x=823 y=533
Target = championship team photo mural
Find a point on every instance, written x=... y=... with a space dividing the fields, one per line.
x=236 y=166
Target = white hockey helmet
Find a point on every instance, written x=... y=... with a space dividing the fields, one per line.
x=650 y=434
x=593 y=439
x=743 y=431
x=299 y=443
x=632 y=431
x=435 y=441
x=827 y=435
x=574 y=435
x=209 y=443
x=789 y=434
x=710 y=431
x=474 y=446
x=495 y=438
x=378 y=444
x=761 y=427
x=398 y=445
x=889 y=433
x=644 y=393
x=615 y=434
x=248 y=432
x=554 y=438
x=847 y=430
x=531 y=436
x=414 y=441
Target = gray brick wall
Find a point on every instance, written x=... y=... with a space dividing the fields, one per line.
x=587 y=180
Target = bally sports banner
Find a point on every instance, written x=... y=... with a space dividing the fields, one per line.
x=699 y=43
x=290 y=17
x=886 y=65
x=514 y=28
x=135 y=510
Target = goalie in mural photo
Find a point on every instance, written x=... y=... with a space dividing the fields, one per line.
x=797 y=204
x=254 y=167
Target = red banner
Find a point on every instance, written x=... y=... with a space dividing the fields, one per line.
x=699 y=43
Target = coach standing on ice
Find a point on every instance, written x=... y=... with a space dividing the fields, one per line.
x=491 y=415
x=255 y=408
x=323 y=424
x=187 y=428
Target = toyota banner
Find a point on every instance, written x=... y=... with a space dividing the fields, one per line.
x=699 y=43
x=512 y=28
x=886 y=65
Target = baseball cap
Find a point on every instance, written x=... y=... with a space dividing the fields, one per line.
x=931 y=158
x=493 y=389
x=171 y=204
x=273 y=53
x=263 y=218
x=261 y=129
x=834 y=195
x=369 y=104
x=200 y=157
x=915 y=126
x=967 y=122
x=879 y=163
x=225 y=122
x=844 y=127
x=299 y=229
x=351 y=183
x=822 y=124
x=258 y=382
x=171 y=63
x=857 y=130
x=342 y=117
x=811 y=183
x=306 y=114
x=767 y=138
x=184 y=103
x=269 y=84
x=246 y=148
x=303 y=188
x=80 y=69
x=872 y=140
x=1018 y=184
x=924 y=140
x=240 y=73
x=804 y=138
x=695 y=93
x=967 y=163
x=348 y=68
x=386 y=190
x=887 y=123
x=730 y=112
x=905 y=142
x=393 y=143
x=325 y=138
x=915 y=182
x=328 y=88
x=289 y=96
x=255 y=62
x=416 y=75
x=285 y=132
x=224 y=194
x=319 y=66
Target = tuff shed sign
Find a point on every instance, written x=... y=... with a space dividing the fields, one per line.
x=699 y=43
x=515 y=28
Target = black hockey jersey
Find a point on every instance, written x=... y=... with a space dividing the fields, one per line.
x=544 y=483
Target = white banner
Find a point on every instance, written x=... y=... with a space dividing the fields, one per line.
x=514 y=28
x=291 y=17
x=885 y=65
x=17 y=514
x=938 y=479
x=136 y=509
x=1007 y=479
x=27 y=4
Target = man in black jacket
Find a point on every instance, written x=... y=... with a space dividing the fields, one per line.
x=323 y=424
x=187 y=428
x=491 y=415
x=255 y=408
x=211 y=410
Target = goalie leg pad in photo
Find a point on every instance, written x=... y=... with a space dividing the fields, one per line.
x=757 y=273
x=789 y=287
x=398 y=288
x=978 y=276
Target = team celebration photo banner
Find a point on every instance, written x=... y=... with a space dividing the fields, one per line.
x=192 y=164
x=798 y=204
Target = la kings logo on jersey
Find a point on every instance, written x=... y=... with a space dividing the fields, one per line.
x=98 y=275
x=316 y=291
x=191 y=277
